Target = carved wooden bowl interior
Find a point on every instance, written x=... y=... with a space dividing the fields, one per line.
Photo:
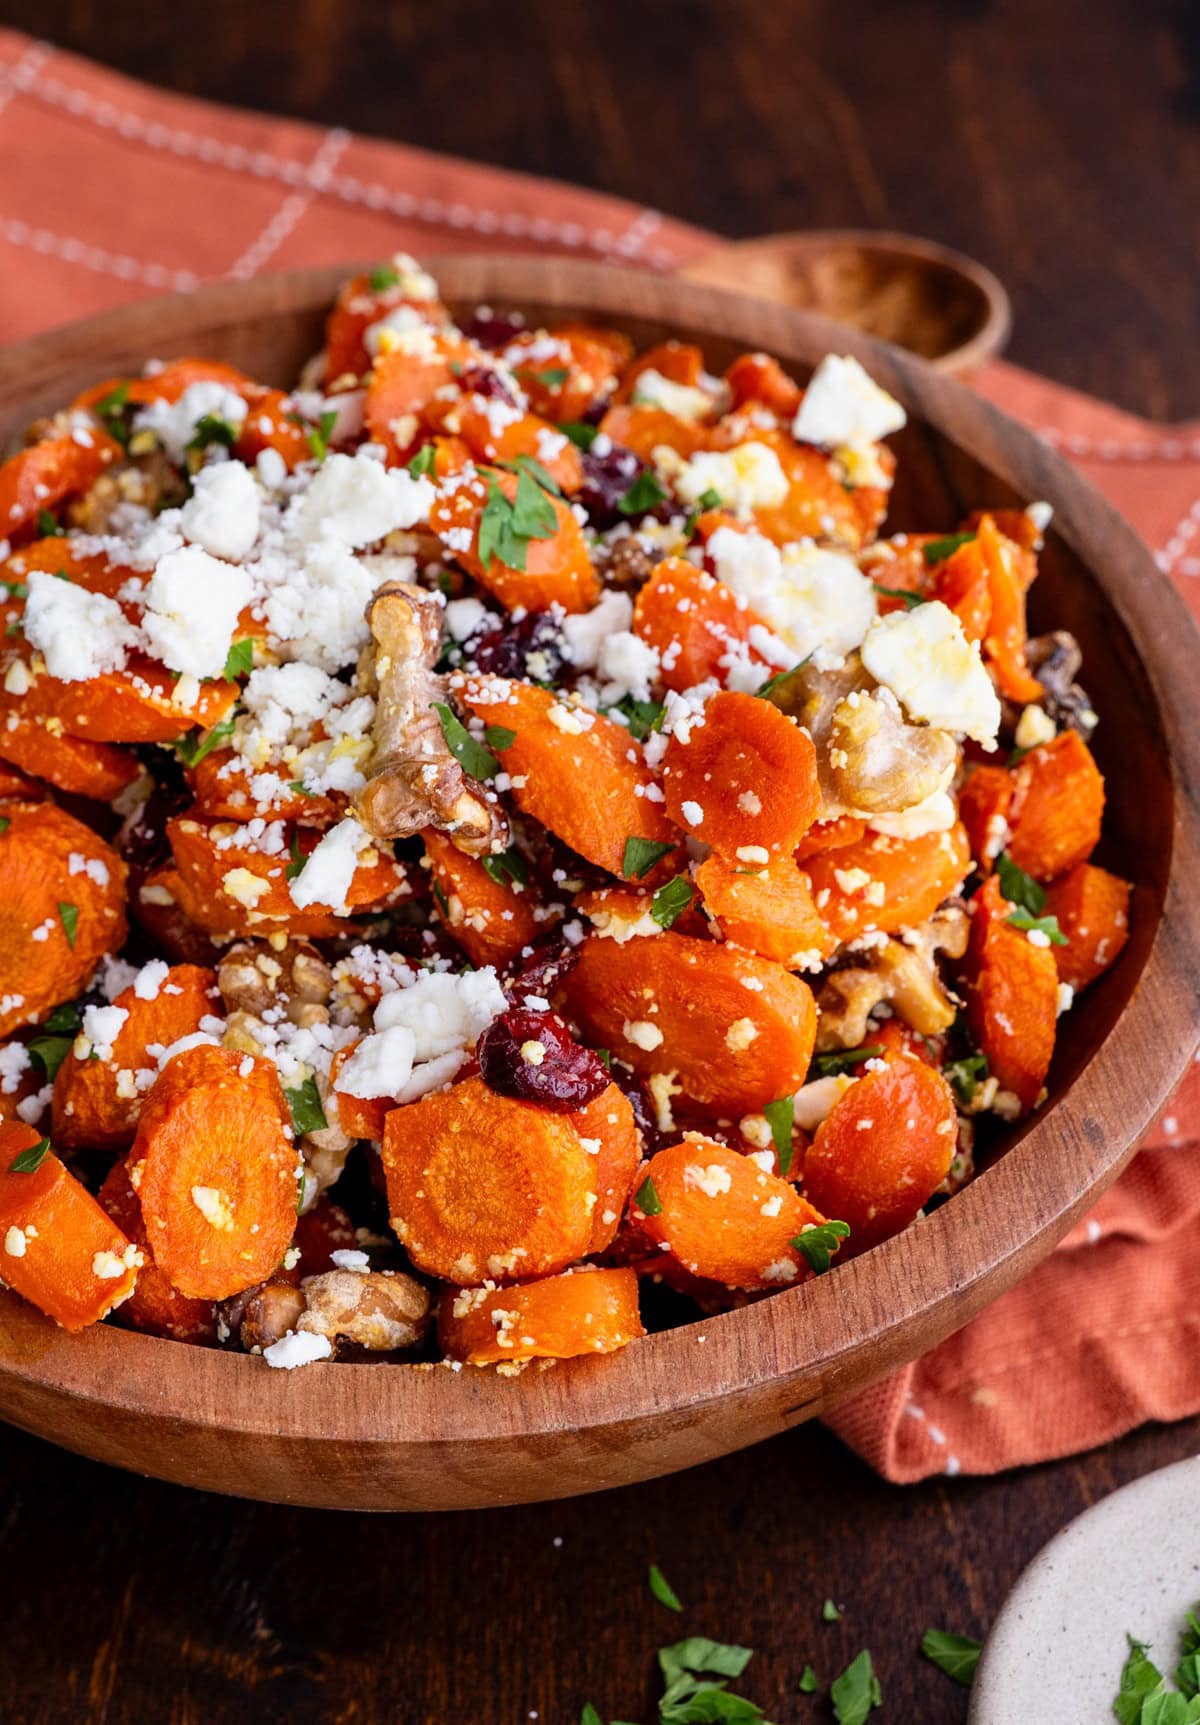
x=395 y=1437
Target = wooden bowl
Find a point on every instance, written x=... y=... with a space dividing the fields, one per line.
x=395 y=1437
x=933 y=301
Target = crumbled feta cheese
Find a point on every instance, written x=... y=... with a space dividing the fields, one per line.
x=692 y=812
x=14 y=1242
x=924 y=658
x=150 y=979
x=101 y=1027
x=586 y=632
x=642 y=1034
x=652 y=389
x=813 y=1102
x=809 y=597
x=79 y=634
x=192 y=606
x=745 y=478
x=1034 y=727
x=381 y=1065
x=356 y=501
x=844 y=407
x=174 y=422
x=714 y=1180
x=297 y=1348
x=221 y=515
x=329 y=869
x=346 y=1259
x=213 y=1204
x=464 y=618
x=741 y=1033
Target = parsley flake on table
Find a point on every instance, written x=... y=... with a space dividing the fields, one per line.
x=808 y=1681
x=830 y=1612
x=956 y=1655
x=662 y=1590
x=856 y=1692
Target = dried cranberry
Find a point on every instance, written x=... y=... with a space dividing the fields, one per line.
x=532 y=647
x=143 y=839
x=493 y=329
x=484 y=380
x=637 y=1093
x=533 y=1057
x=541 y=969
x=606 y=480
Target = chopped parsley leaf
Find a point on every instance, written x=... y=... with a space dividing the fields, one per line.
x=301 y=789
x=239 y=661
x=647 y=1199
x=528 y=464
x=856 y=1692
x=210 y=428
x=62 y=1019
x=48 y=525
x=111 y=410
x=581 y=434
x=640 y=856
x=956 y=1655
x=499 y=737
x=476 y=761
x=808 y=1681
x=507 y=525
x=298 y=858
x=1047 y=925
x=382 y=277
x=320 y=433
x=1018 y=887
x=645 y=493
x=671 y=900
x=301 y=1189
x=840 y=1059
x=50 y=1052
x=507 y=868
x=29 y=1161
x=68 y=915
x=818 y=1244
x=641 y=717
x=5 y=823
x=966 y=1075
x=909 y=600
x=937 y=550
x=305 y=1104
x=830 y=1612
x=780 y=1117
x=193 y=746
x=554 y=376
x=422 y=463
x=662 y=1590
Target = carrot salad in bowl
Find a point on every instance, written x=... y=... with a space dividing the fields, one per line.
x=498 y=847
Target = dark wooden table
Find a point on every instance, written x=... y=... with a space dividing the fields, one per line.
x=1058 y=143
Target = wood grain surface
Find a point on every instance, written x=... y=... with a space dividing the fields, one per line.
x=1057 y=144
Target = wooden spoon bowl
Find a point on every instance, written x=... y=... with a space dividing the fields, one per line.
x=935 y=302
x=394 y=1437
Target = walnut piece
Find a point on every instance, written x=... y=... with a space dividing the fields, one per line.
x=377 y=1309
x=881 y=764
x=414 y=779
x=903 y=973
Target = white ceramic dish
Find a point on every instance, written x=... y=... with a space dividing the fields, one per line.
x=1130 y=1565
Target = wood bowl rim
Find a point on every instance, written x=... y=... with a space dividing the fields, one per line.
x=798 y=1334
x=986 y=342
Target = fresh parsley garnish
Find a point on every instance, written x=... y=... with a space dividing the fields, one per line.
x=1047 y=925
x=210 y=428
x=320 y=433
x=499 y=737
x=50 y=1052
x=301 y=1189
x=62 y=1019
x=110 y=409
x=709 y=499
x=5 y=823
x=1143 y=1697
x=776 y=688
x=48 y=525
x=300 y=789
x=907 y=599
x=554 y=376
x=29 y=1161
x=780 y=1117
x=841 y=1059
x=507 y=868
x=956 y=1655
x=644 y=494
x=305 y=1104
x=640 y=856
x=830 y=1612
x=662 y=1590
x=641 y=717
x=476 y=761
x=508 y=524
x=647 y=1199
x=966 y=1075
x=581 y=434
x=193 y=746
x=937 y=550
x=856 y=1692
x=818 y=1244
x=423 y=462
x=540 y=475
x=239 y=661
x=297 y=855
x=382 y=277
x=68 y=915
x=1018 y=887
x=671 y=900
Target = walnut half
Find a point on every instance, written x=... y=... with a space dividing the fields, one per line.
x=904 y=974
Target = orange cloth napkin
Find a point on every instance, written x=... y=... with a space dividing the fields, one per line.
x=120 y=190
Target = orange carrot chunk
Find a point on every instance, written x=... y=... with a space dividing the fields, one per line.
x=73 y=764
x=744 y=781
x=983 y=806
x=694 y=623
x=608 y=1132
x=552 y=569
x=756 y=377
x=488 y=909
x=770 y=911
x=1092 y=907
x=577 y=772
x=1057 y=804
x=218 y=1171
x=721 y=1216
x=736 y=1029
x=58 y=1248
x=98 y=1094
x=154 y=1305
x=883 y=1150
x=62 y=907
x=886 y=883
x=583 y=1311
x=1012 y=996
x=482 y=1186
x=1004 y=643
x=39 y=477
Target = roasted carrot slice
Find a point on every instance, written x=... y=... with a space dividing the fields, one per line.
x=1004 y=643
x=756 y=377
x=493 y=438
x=403 y=382
x=883 y=1150
x=169 y=382
x=1012 y=996
x=983 y=806
x=1057 y=804
x=817 y=504
x=831 y=835
x=886 y=883
x=15 y=784
x=39 y=477
x=58 y=1248
x=358 y=306
x=73 y=764
x=575 y=771
x=489 y=911
x=154 y=1305
x=221 y=785
x=138 y=705
x=563 y=384
x=770 y=911
x=218 y=1171
x=554 y=570
x=62 y=907
x=608 y=1131
x=963 y=583
x=271 y=423
x=615 y=344
x=678 y=361
x=156 y=904
x=583 y=1311
x=1092 y=907
x=736 y=1029
x=482 y=1186
x=744 y=780
x=721 y=1216
x=645 y=429
x=98 y=1094
x=358 y=1116
x=897 y=566
x=697 y=626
